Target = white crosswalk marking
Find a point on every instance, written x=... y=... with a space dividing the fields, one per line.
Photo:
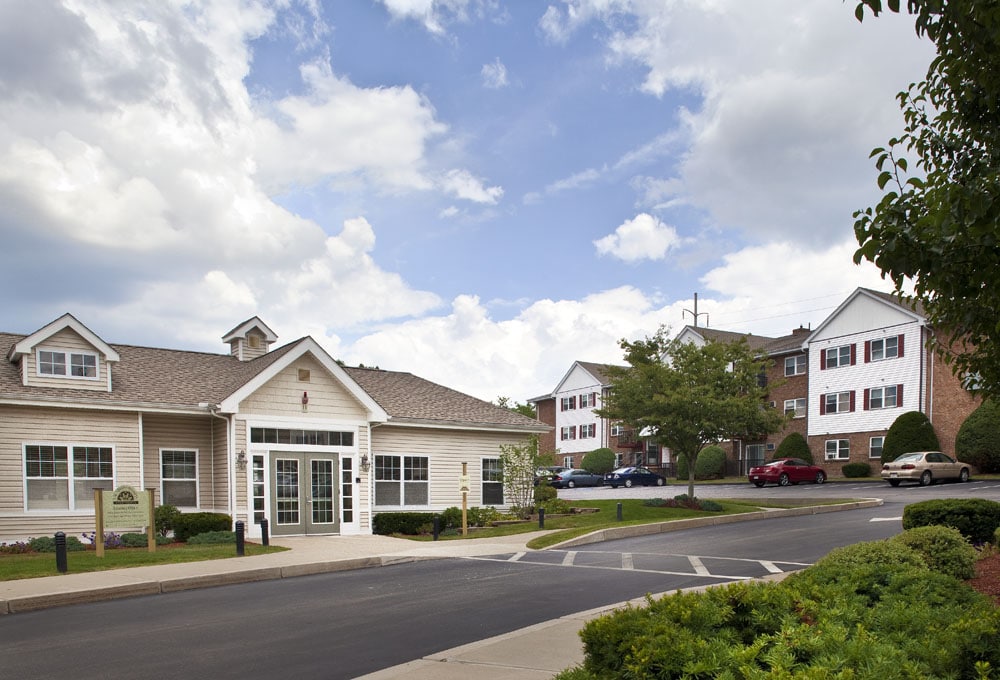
x=627 y=561
x=515 y=557
x=568 y=558
x=698 y=567
x=771 y=567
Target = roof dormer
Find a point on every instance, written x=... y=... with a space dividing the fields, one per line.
x=65 y=353
x=250 y=339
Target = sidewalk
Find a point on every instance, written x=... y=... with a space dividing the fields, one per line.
x=519 y=655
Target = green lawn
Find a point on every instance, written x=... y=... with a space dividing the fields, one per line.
x=44 y=564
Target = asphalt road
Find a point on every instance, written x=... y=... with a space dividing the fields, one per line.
x=346 y=624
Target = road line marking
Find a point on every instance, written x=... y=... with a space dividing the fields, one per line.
x=698 y=567
x=516 y=556
x=568 y=558
x=627 y=561
x=886 y=519
x=771 y=567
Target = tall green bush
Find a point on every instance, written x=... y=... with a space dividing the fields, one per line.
x=599 y=461
x=188 y=524
x=975 y=518
x=944 y=549
x=978 y=440
x=911 y=431
x=711 y=463
x=794 y=446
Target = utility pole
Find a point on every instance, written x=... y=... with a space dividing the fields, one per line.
x=695 y=313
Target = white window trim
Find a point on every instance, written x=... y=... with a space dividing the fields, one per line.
x=197 y=475
x=836 y=455
x=68 y=362
x=798 y=361
x=831 y=350
x=838 y=410
x=884 y=357
x=871 y=447
x=70 y=478
x=402 y=470
x=796 y=412
x=881 y=390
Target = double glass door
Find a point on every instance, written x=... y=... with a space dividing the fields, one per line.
x=304 y=497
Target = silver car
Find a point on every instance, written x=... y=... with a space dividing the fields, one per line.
x=924 y=467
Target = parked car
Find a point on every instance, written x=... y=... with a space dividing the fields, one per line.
x=567 y=479
x=545 y=474
x=632 y=476
x=785 y=471
x=924 y=467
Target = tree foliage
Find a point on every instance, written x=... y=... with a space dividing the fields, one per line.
x=518 y=463
x=938 y=222
x=910 y=432
x=689 y=396
x=794 y=446
x=978 y=440
x=599 y=461
x=524 y=409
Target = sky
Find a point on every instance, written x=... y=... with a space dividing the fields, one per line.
x=478 y=192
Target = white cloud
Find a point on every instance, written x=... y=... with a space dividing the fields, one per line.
x=494 y=75
x=644 y=237
x=462 y=184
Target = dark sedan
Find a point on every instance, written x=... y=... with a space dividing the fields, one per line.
x=785 y=471
x=568 y=479
x=633 y=476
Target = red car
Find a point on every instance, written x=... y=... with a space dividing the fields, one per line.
x=785 y=471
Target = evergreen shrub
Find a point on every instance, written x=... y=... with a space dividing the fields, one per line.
x=599 y=461
x=711 y=463
x=978 y=439
x=47 y=544
x=164 y=517
x=855 y=470
x=910 y=432
x=944 y=549
x=975 y=518
x=406 y=523
x=794 y=446
x=188 y=524
x=213 y=538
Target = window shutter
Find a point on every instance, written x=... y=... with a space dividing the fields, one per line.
x=822 y=360
x=868 y=352
x=854 y=356
x=822 y=404
x=572 y=401
x=851 y=409
x=572 y=432
x=867 y=398
x=899 y=394
x=899 y=343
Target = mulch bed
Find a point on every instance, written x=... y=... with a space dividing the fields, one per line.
x=987 y=580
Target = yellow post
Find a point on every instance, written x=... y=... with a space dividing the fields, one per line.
x=465 y=499
x=99 y=522
x=150 y=525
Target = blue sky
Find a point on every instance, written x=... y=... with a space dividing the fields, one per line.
x=475 y=191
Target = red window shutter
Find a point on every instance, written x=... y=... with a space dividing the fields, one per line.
x=900 y=345
x=899 y=393
x=822 y=360
x=572 y=402
x=851 y=409
x=867 y=399
x=868 y=352
x=854 y=356
x=822 y=404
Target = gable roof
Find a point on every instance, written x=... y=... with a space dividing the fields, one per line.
x=915 y=311
x=712 y=334
x=199 y=378
x=28 y=343
x=248 y=325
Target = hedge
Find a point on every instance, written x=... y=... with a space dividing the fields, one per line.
x=188 y=524
x=856 y=470
x=406 y=523
x=976 y=518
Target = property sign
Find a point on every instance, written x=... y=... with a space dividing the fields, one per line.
x=126 y=507
x=463 y=483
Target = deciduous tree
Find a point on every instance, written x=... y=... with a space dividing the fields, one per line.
x=937 y=226
x=688 y=396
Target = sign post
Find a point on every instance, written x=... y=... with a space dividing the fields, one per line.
x=122 y=508
x=463 y=486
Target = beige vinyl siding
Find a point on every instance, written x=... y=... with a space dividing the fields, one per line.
x=282 y=395
x=19 y=426
x=241 y=444
x=69 y=341
x=189 y=433
x=363 y=490
x=446 y=450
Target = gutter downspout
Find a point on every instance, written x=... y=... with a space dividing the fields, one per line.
x=230 y=473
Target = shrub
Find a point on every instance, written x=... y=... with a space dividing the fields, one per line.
x=599 y=461
x=406 y=523
x=556 y=506
x=481 y=517
x=683 y=501
x=188 y=524
x=451 y=518
x=857 y=470
x=978 y=440
x=545 y=493
x=943 y=548
x=47 y=544
x=710 y=463
x=213 y=538
x=794 y=446
x=137 y=540
x=976 y=518
x=164 y=517
x=911 y=431
x=111 y=539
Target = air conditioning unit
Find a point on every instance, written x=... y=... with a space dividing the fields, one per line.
x=770 y=446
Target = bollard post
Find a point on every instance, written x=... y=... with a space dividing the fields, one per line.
x=619 y=512
x=541 y=518
x=61 y=552
x=264 y=538
x=240 y=540
x=437 y=526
